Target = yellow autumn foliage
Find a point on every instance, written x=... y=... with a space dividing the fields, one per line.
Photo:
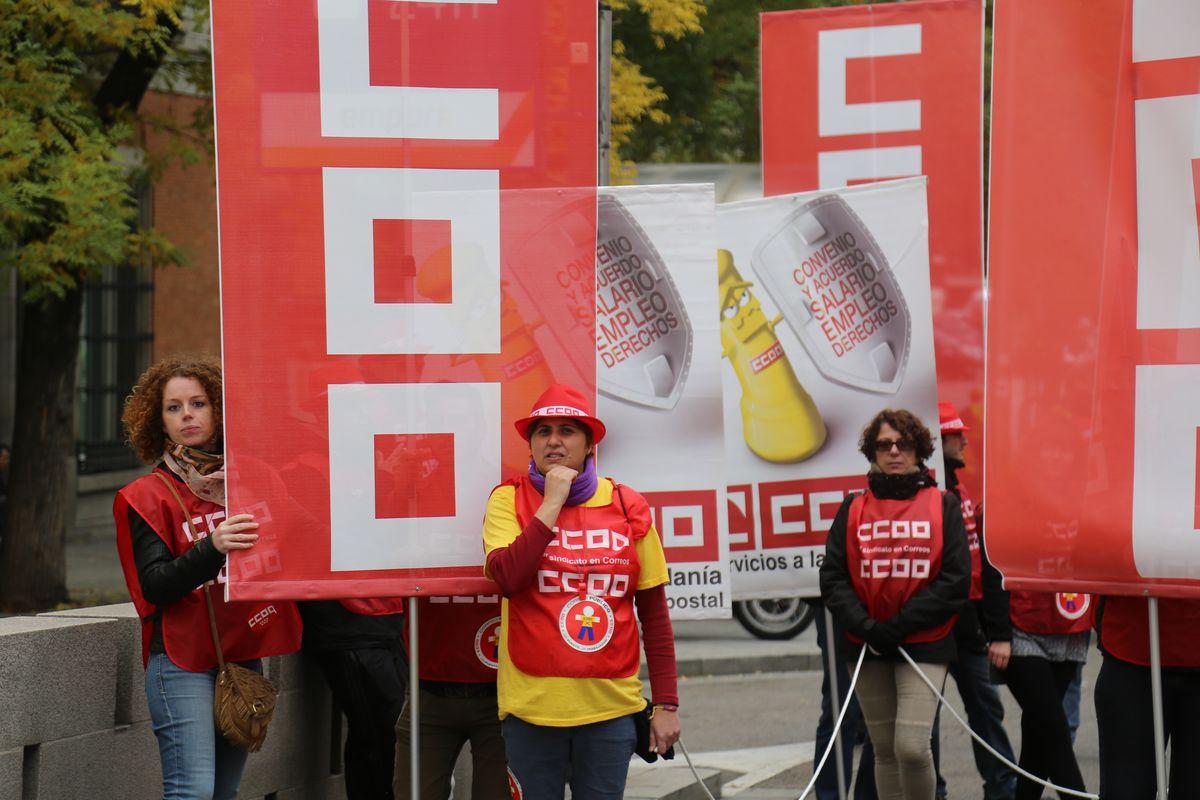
x=634 y=94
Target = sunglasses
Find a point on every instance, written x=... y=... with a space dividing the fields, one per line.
x=886 y=445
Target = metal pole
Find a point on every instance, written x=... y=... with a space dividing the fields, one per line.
x=604 y=95
x=835 y=697
x=414 y=706
x=1156 y=702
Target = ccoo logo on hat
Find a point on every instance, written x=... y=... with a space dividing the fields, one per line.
x=561 y=400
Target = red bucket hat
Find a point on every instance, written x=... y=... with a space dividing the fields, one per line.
x=951 y=422
x=561 y=400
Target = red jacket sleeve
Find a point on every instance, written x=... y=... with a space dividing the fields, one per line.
x=659 y=642
x=514 y=567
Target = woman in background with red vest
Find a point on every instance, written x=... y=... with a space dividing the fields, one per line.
x=573 y=553
x=1039 y=651
x=1124 y=713
x=459 y=653
x=895 y=573
x=173 y=417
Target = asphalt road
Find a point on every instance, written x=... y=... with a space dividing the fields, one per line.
x=762 y=713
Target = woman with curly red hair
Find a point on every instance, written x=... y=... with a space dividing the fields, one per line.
x=173 y=535
x=895 y=573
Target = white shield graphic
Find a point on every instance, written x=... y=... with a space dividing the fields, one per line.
x=643 y=335
x=833 y=285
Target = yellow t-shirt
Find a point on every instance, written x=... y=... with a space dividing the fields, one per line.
x=564 y=702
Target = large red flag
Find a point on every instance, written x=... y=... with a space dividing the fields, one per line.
x=407 y=214
x=864 y=93
x=1094 y=321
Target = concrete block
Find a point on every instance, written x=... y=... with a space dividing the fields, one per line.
x=11 y=762
x=131 y=687
x=58 y=677
x=297 y=749
x=294 y=672
x=117 y=762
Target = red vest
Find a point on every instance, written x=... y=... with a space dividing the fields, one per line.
x=893 y=548
x=970 y=522
x=1125 y=630
x=1050 y=612
x=374 y=606
x=248 y=630
x=460 y=638
x=576 y=620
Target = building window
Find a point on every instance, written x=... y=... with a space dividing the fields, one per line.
x=117 y=338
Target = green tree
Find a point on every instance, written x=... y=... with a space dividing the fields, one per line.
x=709 y=80
x=72 y=75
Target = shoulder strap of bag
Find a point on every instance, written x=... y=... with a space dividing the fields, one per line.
x=212 y=614
x=620 y=499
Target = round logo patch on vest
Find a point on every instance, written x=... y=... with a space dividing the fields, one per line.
x=586 y=623
x=487 y=643
x=1072 y=605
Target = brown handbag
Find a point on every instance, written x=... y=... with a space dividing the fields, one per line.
x=243 y=700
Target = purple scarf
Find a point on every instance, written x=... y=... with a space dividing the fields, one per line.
x=582 y=488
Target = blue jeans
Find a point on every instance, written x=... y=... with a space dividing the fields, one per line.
x=597 y=755
x=852 y=731
x=197 y=763
x=1071 y=701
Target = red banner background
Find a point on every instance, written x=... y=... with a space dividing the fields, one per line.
x=1076 y=404
x=275 y=170
x=805 y=134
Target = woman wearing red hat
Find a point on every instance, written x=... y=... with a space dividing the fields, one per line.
x=574 y=554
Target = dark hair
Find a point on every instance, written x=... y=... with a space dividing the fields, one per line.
x=142 y=416
x=906 y=423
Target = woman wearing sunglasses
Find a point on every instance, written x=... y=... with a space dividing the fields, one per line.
x=896 y=572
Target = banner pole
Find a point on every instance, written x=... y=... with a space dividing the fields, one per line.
x=604 y=94
x=414 y=744
x=835 y=698
x=1156 y=703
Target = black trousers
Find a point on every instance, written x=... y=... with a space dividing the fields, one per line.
x=368 y=684
x=447 y=723
x=1046 y=751
x=1126 y=722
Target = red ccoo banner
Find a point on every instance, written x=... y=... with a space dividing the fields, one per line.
x=864 y=93
x=1094 y=323
x=402 y=188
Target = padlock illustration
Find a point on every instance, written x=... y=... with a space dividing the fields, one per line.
x=780 y=421
x=835 y=288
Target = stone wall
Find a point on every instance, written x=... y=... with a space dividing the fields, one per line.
x=74 y=721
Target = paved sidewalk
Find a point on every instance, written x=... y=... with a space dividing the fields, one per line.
x=724 y=647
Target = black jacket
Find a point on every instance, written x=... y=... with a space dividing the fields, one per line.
x=940 y=599
x=993 y=608
x=165 y=579
x=328 y=626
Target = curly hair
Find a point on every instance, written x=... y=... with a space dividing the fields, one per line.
x=906 y=423
x=142 y=416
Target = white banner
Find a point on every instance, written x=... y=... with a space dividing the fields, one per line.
x=825 y=320
x=659 y=378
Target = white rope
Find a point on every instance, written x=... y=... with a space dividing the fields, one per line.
x=986 y=746
x=695 y=774
x=833 y=737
